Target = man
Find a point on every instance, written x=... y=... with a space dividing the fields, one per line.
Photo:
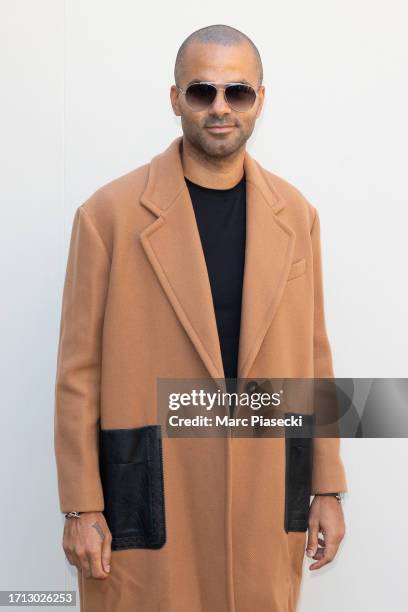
x=198 y=264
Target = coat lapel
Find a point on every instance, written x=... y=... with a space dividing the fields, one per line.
x=268 y=257
x=173 y=246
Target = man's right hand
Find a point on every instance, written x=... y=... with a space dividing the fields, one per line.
x=87 y=544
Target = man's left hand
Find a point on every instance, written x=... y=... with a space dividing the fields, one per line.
x=325 y=517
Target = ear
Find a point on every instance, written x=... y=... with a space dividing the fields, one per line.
x=174 y=99
x=261 y=97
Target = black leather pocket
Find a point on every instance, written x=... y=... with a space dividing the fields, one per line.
x=131 y=467
x=298 y=475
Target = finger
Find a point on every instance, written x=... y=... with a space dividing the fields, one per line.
x=68 y=552
x=75 y=560
x=319 y=554
x=320 y=549
x=329 y=553
x=312 y=539
x=67 y=548
x=95 y=562
x=70 y=558
x=106 y=552
x=83 y=562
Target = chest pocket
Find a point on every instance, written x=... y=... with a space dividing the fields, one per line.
x=297 y=269
x=131 y=468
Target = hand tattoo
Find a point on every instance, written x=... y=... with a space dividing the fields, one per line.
x=99 y=530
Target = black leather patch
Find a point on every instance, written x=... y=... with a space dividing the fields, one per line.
x=131 y=467
x=298 y=475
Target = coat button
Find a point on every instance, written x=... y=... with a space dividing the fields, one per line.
x=251 y=386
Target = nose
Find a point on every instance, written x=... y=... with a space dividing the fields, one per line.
x=220 y=106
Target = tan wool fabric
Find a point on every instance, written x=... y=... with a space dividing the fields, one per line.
x=137 y=306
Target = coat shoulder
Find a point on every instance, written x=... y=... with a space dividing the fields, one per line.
x=117 y=194
x=116 y=204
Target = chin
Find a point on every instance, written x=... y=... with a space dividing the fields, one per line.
x=222 y=147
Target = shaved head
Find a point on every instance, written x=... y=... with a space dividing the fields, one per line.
x=218 y=34
x=221 y=55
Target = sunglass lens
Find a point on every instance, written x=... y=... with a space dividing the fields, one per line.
x=200 y=96
x=240 y=97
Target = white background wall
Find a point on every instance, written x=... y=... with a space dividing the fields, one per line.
x=334 y=124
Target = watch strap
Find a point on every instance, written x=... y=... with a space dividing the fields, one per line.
x=338 y=496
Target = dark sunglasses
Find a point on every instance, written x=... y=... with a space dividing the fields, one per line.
x=239 y=96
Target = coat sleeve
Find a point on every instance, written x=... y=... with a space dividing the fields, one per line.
x=328 y=474
x=77 y=384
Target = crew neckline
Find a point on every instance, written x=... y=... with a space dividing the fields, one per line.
x=214 y=190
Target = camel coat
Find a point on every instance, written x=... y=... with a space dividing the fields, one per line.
x=211 y=524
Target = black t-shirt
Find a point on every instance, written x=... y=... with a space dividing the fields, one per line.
x=221 y=221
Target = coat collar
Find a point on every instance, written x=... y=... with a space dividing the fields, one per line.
x=173 y=246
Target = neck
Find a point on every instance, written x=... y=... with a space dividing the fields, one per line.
x=214 y=173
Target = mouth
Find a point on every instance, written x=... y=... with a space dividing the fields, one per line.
x=220 y=129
